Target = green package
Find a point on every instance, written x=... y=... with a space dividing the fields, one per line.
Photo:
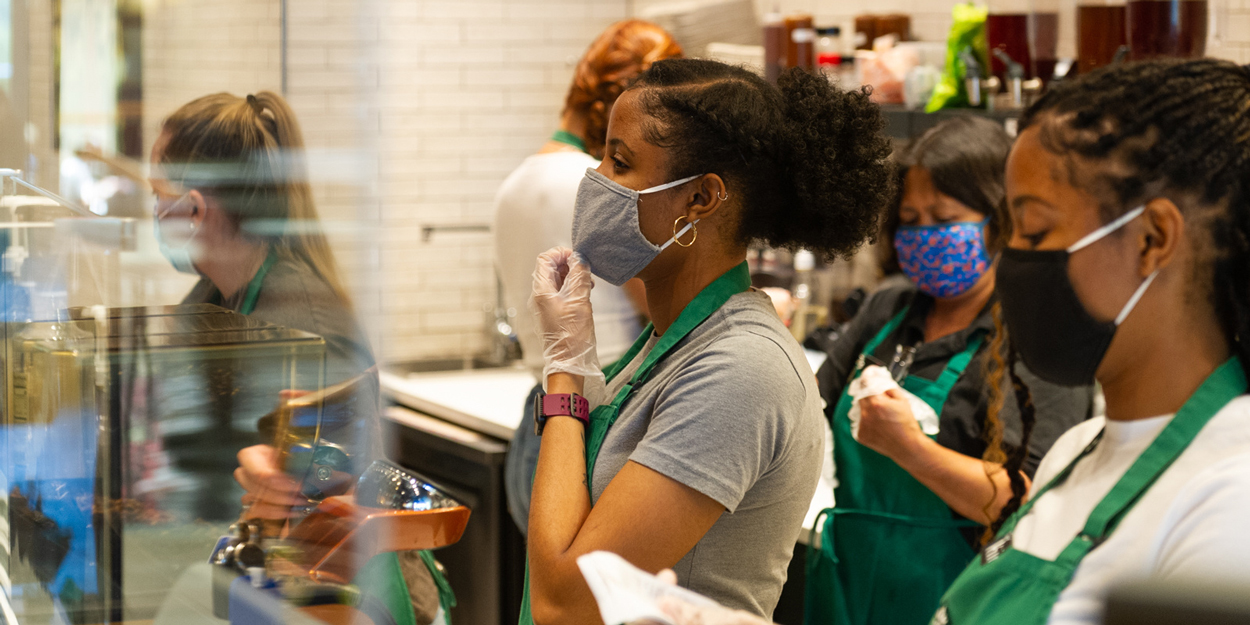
x=967 y=33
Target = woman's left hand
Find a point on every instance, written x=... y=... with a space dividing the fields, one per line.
x=887 y=425
x=561 y=306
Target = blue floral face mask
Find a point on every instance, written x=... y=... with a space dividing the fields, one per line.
x=943 y=260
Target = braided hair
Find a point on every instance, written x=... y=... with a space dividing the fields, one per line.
x=808 y=160
x=1173 y=128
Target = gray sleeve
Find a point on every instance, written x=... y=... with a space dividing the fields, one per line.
x=723 y=421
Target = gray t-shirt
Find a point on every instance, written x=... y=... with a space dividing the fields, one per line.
x=294 y=295
x=733 y=412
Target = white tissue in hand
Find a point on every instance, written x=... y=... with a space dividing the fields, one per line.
x=876 y=380
x=626 y=593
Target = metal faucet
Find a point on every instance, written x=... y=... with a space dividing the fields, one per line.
x=504 y=347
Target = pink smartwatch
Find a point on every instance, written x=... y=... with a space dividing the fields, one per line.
x=559 y=405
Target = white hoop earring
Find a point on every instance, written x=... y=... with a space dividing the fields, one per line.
x=723 y=196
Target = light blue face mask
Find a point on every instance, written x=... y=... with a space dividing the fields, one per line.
x=179 y=256
x=606 y=231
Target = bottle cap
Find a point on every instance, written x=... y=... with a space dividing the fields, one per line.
x=828 y=58
x=804 y=261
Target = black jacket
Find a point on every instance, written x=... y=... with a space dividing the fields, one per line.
x=962 y=419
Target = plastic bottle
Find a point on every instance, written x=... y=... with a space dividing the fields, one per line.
x=804 y=263
x=775 y=44
x=801 y=41
x=829 y=49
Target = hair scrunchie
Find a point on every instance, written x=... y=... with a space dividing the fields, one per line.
x=256 y=105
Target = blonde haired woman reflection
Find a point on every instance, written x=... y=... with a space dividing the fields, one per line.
x=234 y=206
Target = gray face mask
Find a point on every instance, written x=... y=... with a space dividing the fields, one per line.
x=605 y=228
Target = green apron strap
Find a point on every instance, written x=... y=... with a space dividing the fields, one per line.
x=1015 y=587
x=708 y=301
x=946 y=380
x=1010 y=524
x=253 y=287
x=446 y=598
x=568 y=138
x=383 y=578
x=882 y=335
x=622 y=362
x=955 y=366
x=1220 y=388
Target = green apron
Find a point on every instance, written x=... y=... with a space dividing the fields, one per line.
x=709 y=300
x=253 y=287
x=381 y=575
x=890 y=546
x=1006 y=585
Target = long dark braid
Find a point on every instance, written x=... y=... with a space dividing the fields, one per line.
x=1179 y=129
x=1015 y=460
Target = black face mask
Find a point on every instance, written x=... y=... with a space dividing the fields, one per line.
x=1050 y=328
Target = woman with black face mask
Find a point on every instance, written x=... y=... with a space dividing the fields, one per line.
x=705 y=450
x=1129 y=265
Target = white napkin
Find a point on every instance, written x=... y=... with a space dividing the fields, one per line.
x=876 y=380
x=626 y=593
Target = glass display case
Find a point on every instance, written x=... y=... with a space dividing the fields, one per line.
x=121 y=432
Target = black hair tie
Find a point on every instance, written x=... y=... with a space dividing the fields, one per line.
x=256 y=105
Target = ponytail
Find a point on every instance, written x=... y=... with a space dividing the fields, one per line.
x=304 y=236
x=1015 y=460
x=996 y=454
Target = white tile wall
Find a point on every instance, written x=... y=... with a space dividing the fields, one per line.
x=416 y=110
x=467 y=90
x=333 y=85
x=193 y=48
x=39 y=102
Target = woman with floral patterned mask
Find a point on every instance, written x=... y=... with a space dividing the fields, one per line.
x=913 y=494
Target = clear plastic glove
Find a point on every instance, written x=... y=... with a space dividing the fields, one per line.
x=561 y=306
x=683 y=613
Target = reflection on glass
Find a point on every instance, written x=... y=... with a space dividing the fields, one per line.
x=322 y=558
x=1163 y=28
x=99 y=473
x=389 y=486
x=1101 y=32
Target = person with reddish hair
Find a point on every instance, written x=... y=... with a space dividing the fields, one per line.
x=534 y=212
x=620 y=53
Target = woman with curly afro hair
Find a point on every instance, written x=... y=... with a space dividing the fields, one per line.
x=703 y=451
